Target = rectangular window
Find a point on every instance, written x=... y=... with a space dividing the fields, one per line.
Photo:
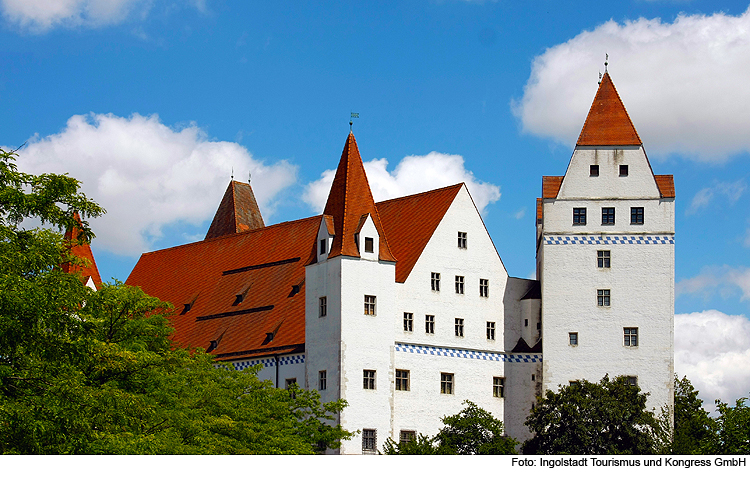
x=574 y=383
x=435 y=282
x=594 y=170
x=368 y=245
x=608 y=216
x=461 y=239
x=602 y=298
x=459 y=284
x=293 y=380
x=323 y=246
x=322 y=307
x=369 y=440
x=631 y=336
x=368 y=379
x=623 y=170
x=490 y=331
x=322 y=381
x=429 y=324
x=369 y=305
x=446 y=383
x=498 y=386
x=484 y=287
x=573 y=338
x=408 y=322
x=602 y=258
x=402 y=380
x=579 y=216
x=636 y=216
x=631 y=380
x=459 y=327
x=407 y=437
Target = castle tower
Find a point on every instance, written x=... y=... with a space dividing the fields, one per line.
x=605 y=259
x=88 y=272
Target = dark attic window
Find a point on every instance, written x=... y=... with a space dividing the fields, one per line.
x=323 y=246
x=368 y=245
x=594 y=170
x=623 y=170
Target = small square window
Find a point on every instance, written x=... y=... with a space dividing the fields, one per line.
x=484 y=287
x=631 y=380
x=322 y=381
x=402 y=380
x=323 y=246
x=368 y=245
x=368 y=379
x=322 y=307
x=369 y=440
x=406 y=437
x=461 y=239
x=490 y=331
x=459 y=284
x=459 y=325
x=408 y=322
x=608 y=216
x=573 y=338
x=429 y=324
x=594 y=170
x=636 y=216
x=498 y=386
x=623 y=170
x=602 y=258
x=602 y=297
x=631 y=336
x=446 y=383
x=435 y=282
x=370 y=304
x=579 y=216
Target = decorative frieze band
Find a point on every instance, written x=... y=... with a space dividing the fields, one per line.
x=270 y=362
x=467 y=354
x=609 y=240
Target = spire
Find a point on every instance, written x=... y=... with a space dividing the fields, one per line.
x=608 y=123
x=350 y=198
x=238 y=212
x=82 y=250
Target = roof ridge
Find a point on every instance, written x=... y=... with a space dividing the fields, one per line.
x=422 y=193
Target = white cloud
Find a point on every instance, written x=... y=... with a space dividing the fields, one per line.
x=148 y=175
x=520 y=214
x=414 y=174
x=732 y=192
x=684 y=83
x=42 y=15
x=713 y=350
x=724 y=279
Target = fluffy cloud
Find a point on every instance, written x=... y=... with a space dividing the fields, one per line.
x=713 y=350
x=684 y=83
x=732 y=191
x=414 y=174
x=148 y=175
x=42 y=15
x=724 y=279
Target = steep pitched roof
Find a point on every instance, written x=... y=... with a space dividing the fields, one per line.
x=237 y=212
x=665 y=183
x=80 y=250
x=551 y=186
x=608 y=123
x=410 y=222
x=350 y=198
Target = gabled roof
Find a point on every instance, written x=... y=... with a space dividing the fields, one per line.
x=410 y=222
x=665 y=182
x=551 y=186
x=81 y=250
x=350 y=198
x=608 y=123
x=237 y=212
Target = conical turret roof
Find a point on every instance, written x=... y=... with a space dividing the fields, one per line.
x=238 y=212
x=81 y=250
x=608 y=123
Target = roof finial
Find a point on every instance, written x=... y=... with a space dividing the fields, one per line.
x=232 y=173
x=606 y=62
x=600 y=77
x=249 y=176
x=354 y=115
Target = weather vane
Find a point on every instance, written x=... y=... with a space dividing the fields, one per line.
x=606 y=62
x=354 y=115
x=232 y=173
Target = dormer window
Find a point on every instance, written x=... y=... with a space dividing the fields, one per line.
x=368 y=245
x=623 y=170
x=323 y=246
x=594 y=170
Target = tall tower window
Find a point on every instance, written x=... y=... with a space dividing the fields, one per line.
x=446 y=383
x=370 y=304
x=490 y=331
x=602 y=297
x=429 y=324
x=408 y=322
x=435 y=282
x=459 y=327
x=461 y=239
x=636 y=216
x=498 y=386
x=322 y=306
x=459 y=284
x=323 y=247
x=608 y=216
x=631 y=336
x=368 y=379
x=484 y=287
x=602 y=258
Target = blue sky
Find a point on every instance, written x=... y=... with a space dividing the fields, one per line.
x=154 y=103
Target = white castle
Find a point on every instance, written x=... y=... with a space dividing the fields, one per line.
x=404 y=308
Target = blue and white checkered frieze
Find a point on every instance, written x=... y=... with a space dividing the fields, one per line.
x=609 y=240
x=270 y=362
x=467 y=354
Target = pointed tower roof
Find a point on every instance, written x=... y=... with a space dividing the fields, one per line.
x=608 y=123
x=349 y=199
x=238 y=212
x=81 y=250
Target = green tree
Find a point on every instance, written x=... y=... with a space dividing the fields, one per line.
x=608 y=417
x=693 y=428
x=731 y=429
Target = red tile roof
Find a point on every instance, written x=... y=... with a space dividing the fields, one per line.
x=551 y=186
x=350 y=198
x=238 y=212
x=665 y=182
x=608 y=123
x=81 y=250
x=539 y=210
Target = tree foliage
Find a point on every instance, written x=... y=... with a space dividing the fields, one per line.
x=731 y=429
x=608 y=417
x=472 y=431
x=693 y=427
x=95 y=372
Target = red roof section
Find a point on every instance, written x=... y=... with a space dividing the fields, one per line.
x=665 y=182
x=551 y=186
x=80 y=250
x=350 y=198
x=410 y=222
x=608 y=123
x=539 y=210
x=237 y=212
